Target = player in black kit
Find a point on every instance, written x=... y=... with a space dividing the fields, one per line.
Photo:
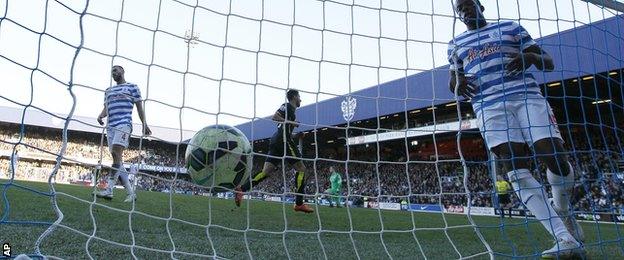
x=282 y=147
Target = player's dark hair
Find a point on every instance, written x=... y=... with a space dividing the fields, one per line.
x=478 y=2
x=291 y=94
x=122 y=68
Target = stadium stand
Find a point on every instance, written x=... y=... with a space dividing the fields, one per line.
x=417 y=183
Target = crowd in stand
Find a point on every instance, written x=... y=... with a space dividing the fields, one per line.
x=423 y=182
x=83 y=146
x=40 y=171
x=432 y=183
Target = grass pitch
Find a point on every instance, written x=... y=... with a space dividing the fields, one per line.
x=191 y=227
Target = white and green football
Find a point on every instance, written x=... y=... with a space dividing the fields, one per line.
x=218 y=157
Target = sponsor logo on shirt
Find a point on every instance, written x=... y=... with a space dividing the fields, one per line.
x=484 y=52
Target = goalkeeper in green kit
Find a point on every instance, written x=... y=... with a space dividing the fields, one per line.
x=335 y=181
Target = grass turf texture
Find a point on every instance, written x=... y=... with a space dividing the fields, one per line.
x=203 y=225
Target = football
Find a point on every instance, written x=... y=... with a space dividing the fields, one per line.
x=218 y=157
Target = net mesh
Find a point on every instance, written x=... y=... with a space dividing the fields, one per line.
x=199 y=63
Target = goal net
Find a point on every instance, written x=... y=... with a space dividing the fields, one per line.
x=418 y=180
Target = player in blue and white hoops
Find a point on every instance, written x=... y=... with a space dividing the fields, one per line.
x=488 y=66
x=119 y=102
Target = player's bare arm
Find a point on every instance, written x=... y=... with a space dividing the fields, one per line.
x=146 y=129
x=465 y=89
x=533 y=55
x=102 y=115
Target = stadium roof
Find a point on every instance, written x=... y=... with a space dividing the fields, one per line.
x=586 y=50
x=38 y=117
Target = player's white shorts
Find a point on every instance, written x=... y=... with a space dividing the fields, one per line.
x=119 y=135
x=519 y=119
